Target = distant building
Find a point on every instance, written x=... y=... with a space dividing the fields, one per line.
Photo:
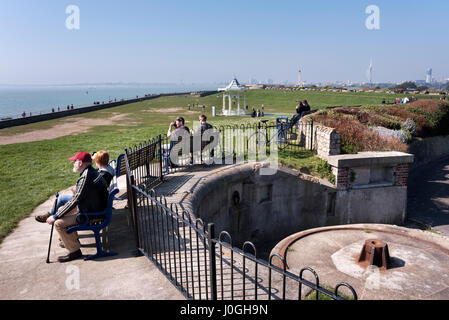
x=369 y=73
x=300 y=83
x=429 y=75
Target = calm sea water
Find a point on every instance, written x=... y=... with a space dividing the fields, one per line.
x=41 y=99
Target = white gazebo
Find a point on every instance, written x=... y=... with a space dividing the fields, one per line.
x=233 y=90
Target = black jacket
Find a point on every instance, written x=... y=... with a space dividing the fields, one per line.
x=91 y=194
x=107 y=173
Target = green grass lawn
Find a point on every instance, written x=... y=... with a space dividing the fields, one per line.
x=31 y=172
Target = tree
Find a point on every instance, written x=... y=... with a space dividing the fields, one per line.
x=406 y=85
x=423 y=88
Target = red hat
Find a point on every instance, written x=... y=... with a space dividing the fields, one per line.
x=83 y=156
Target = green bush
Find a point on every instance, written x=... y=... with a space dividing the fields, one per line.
x=324 y=169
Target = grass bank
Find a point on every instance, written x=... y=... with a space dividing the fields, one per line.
x=31 y=172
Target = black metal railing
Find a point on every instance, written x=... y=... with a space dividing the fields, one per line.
x=201 y=264
x=231 y=144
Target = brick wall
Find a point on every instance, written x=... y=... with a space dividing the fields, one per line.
x=401 y=173
x=341 y=177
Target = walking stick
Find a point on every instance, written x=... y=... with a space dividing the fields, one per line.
x=52 y=226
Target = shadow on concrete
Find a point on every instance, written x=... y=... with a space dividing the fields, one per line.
x=172 y=184
x=396 y=263
x=118 y=238
x=428 y=193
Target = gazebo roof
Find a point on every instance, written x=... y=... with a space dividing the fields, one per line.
x=234 y=85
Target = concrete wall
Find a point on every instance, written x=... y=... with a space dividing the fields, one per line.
x=271 y=207
x=429 y=149
x=375 y=205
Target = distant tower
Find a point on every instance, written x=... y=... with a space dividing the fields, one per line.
x=429 y=75
x=299 y=79
x=369 y=72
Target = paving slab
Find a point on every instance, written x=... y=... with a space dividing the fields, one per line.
x=24 y=273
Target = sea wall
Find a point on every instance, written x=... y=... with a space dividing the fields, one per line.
x=80 y=110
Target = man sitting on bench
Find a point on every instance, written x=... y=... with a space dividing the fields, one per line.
x=179 y=130
x=199 y=132
x=91 y=195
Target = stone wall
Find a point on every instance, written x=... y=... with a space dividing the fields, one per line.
x=326 y=141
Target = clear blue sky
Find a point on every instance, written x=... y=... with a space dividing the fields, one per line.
x=209 y=41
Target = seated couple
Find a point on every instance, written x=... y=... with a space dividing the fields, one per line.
x=89 y=195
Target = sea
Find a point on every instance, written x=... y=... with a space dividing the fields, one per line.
x=40 y=99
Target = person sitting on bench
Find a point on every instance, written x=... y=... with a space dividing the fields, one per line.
x=91 y=195
x=101 y=159
x=178 y=125
x=204 y=126
x=179 y=130
x=301 y=109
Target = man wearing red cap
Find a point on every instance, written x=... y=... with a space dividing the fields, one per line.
x=90 y=195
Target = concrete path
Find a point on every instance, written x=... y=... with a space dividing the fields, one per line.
x=428 y=195
x=25 y=275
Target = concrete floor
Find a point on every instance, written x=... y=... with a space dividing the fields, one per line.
x=419 y=269
x=24 y=274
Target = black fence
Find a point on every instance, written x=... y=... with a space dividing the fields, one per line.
x=237 y=143
x=200 y=263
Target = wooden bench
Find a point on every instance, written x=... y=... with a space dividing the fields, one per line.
x=97 y=221
x=167 y=152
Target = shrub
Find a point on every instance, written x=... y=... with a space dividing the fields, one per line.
x=324 y=169
x=410 y=126
x=400 y=123
x=402 y=135
x=356 y=137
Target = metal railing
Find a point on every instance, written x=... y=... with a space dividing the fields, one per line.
x=201 y=264
x=245 y=142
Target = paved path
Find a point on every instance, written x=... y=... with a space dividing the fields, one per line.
x=25 y=275
x=428 y=195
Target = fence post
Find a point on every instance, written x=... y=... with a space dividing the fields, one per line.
x=212 y=262
x=311 y=135
x=160 y=159
x=132 y=205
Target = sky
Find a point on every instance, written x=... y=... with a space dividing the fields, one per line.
x=196 y=41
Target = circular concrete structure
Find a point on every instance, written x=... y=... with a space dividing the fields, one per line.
x=419 y=260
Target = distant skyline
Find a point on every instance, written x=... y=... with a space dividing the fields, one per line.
x=145 y=41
